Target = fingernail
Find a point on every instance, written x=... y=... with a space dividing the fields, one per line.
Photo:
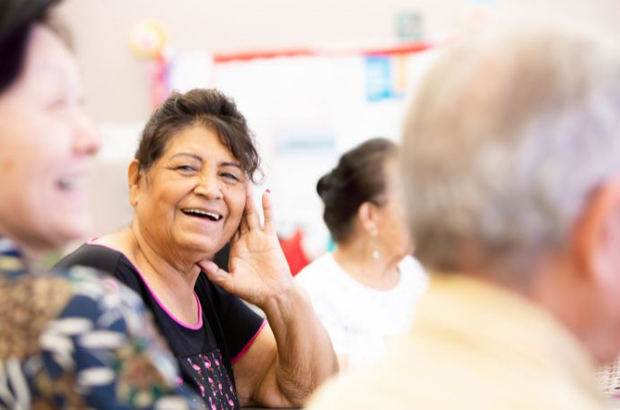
x=268 y=190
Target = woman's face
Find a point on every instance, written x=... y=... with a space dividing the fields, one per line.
x=192 y=198
x=394 y=237
x=45 y=142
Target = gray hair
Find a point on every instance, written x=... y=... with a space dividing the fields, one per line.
x=507 y=137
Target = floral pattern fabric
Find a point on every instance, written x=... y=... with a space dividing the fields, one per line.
x=74 y=340
x=609 y=379
x=211 y=377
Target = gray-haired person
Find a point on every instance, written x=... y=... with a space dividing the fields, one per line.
x=512 y=176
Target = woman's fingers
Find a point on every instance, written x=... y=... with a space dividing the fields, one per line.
x=268 y=210
x=251 y=214
x=244 y=226
x=216 y=275
x=235 y=236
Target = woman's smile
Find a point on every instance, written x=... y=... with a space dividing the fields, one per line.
x=204 y=214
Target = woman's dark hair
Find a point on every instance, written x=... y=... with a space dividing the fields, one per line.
x=359 y=177
x=16 y=20
x=208 y=107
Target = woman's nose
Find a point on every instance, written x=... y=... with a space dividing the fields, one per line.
x=209 y=186
x=86 y=138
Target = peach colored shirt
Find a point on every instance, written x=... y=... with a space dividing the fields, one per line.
x=473 y=346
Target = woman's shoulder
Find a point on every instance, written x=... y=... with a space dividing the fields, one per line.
x=321 y=269
x=325 y=280
x=79 y=318
x=414 y=278
x=73 y=292
x=412 y=267
x=92 y=286
x=96 y=256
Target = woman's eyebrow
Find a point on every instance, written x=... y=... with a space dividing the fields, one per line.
x=230 y=164
x=187 y=154
x=199 y=158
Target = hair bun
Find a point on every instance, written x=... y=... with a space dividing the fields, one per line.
x=325 y=185
x=358 y=177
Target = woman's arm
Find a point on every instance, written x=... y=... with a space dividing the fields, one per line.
x=292 y=356
x=288 y=360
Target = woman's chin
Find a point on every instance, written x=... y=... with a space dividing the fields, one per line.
x=199 y=244
x=74 y=227
x=196 y=251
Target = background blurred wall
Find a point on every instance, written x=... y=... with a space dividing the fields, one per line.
x=117 y=89
x=117 y=86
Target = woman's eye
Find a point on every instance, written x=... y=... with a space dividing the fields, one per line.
x=230 y=176
x=185 y=168
x=58 y=104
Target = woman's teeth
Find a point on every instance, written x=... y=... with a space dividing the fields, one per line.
x=203 y=214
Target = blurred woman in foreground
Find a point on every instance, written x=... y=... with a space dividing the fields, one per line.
x=67 y=339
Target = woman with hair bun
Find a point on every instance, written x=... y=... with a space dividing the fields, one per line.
x=365 y=290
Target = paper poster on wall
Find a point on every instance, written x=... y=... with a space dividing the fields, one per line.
x=385 y=77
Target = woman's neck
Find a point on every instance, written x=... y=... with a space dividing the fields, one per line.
x=32 y=250
x=170 y=265
x=172 y=282
x=356 y=260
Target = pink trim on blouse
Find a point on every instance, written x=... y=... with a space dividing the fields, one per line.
x=159 y=302
x=111 y=282
x=248 y=344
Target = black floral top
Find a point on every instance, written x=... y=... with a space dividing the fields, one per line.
x=76 y=340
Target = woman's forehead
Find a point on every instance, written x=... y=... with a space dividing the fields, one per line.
x=48 y=59
x=198 y=140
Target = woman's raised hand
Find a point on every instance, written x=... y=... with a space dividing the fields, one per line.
x=258 y=268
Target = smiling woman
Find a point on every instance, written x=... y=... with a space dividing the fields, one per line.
x=68 y=339
x=45 y=106
x=190 y=189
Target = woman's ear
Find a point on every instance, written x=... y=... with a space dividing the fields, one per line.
x=367 y=217
x=596 y=236
x=134 y=176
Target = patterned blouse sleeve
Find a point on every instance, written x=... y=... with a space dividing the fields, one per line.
x=105 y=341
x=609 y=377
